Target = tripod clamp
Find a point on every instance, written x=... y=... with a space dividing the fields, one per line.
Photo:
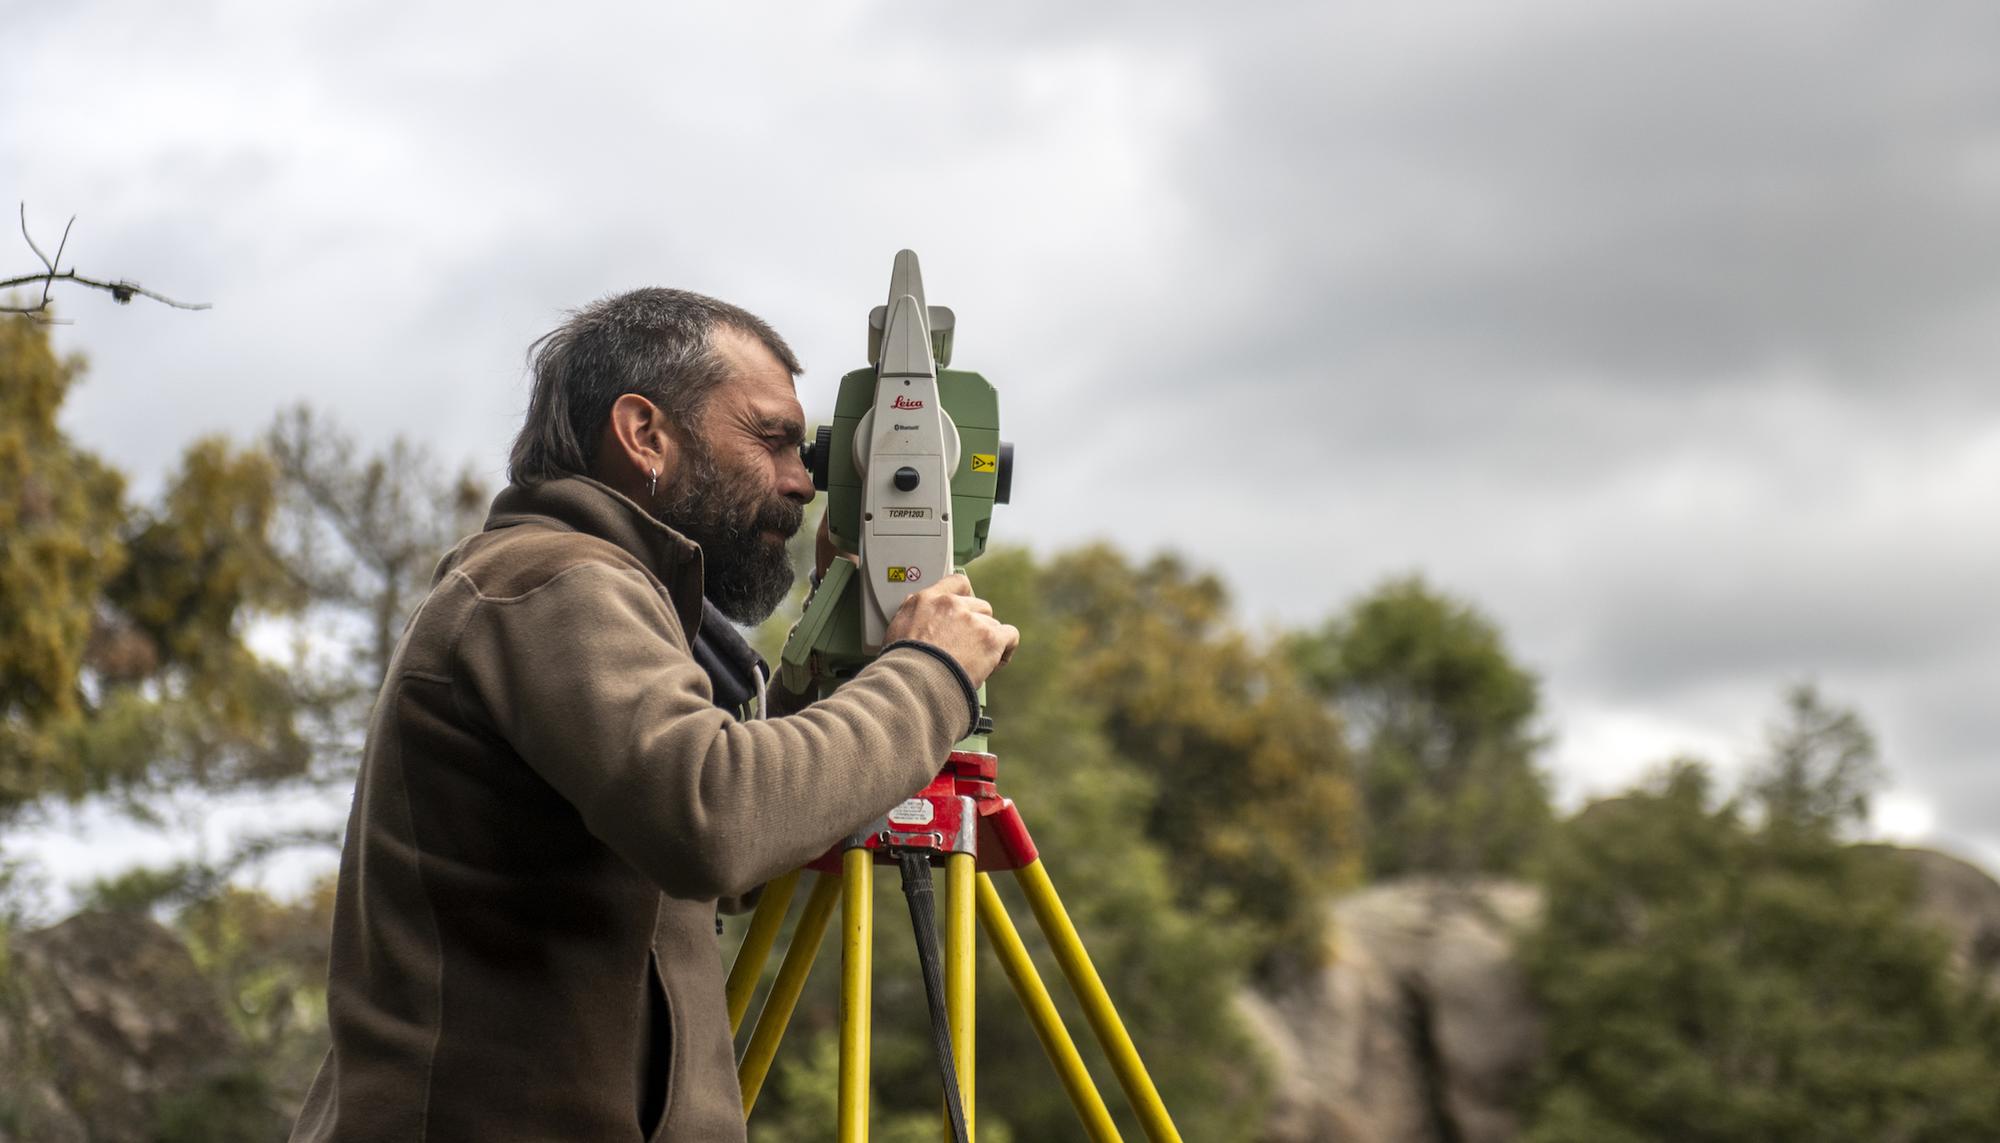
x=960 y=811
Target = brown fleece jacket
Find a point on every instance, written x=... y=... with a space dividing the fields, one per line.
x=548 y=809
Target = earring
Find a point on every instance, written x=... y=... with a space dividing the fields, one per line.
x=653 y=484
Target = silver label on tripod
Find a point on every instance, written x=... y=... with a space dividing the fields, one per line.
x=913 y=811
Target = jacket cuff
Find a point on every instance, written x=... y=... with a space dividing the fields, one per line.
x=957 y=672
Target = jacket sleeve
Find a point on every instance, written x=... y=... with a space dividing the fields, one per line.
x=590 y=679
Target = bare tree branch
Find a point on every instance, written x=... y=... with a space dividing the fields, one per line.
x=31 y=238
x=60 y=247
x=121 y=291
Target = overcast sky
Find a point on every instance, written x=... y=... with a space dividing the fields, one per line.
x=1666 y=332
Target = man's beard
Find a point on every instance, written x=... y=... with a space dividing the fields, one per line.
x=746 y=572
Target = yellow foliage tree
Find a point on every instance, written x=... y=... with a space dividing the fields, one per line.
x=122 y=659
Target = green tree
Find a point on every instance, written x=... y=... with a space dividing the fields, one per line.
x=364 y=528
x=61 y=513
x=1705 y=979
x=1443 y=724
x=1819 y=768
x=122 y=661
x=268 y=959
x=1250 y=790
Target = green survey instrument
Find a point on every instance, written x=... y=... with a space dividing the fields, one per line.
x=911 y=466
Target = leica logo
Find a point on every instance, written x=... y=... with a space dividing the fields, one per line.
x=905 y=403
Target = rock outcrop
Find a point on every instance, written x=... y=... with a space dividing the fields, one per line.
x=1420 y=1027
x=109 y=1034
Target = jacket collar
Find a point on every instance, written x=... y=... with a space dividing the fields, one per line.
x=580 y=504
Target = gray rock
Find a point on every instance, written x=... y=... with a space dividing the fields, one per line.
x=1419 y=1027
x=109 y=1032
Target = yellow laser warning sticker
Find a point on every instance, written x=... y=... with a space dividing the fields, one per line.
x=985 y=462
x=899 y=575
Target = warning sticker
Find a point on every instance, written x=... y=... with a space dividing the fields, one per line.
x=985 y=462
x=913 y=811
x=910 y=574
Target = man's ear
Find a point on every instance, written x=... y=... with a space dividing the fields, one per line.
x=641 y=442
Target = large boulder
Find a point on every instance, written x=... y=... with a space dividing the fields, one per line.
x=110 y=1033
x=1419 y=1027
x=1962 y=901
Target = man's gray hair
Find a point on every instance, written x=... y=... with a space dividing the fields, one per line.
x=655 y=342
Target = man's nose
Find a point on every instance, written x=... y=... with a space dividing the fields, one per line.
x=794 y=482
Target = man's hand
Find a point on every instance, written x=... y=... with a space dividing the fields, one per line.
x=949 y=617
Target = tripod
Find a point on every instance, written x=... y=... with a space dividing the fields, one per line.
x=961 y=821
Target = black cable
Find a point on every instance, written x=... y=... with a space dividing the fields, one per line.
x=923 y=918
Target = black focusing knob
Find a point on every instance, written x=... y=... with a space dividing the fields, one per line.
x=818 y=455
x=1003 y=482
x=906 y=479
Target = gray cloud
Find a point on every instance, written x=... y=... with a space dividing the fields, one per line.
x=1690 y=191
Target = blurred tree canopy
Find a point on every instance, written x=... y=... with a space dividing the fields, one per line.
x=363 y=529
x=124 y=665
x=268 y=959
x=1443 y=722
x=1710 y=978
x=122 y=661
x=1818 y=771
x=1250 y=790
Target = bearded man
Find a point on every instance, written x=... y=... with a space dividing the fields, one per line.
x=553 y=802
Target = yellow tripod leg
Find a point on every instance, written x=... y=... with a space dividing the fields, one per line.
x=960 y=972
x=1041 y=1009
x=785 y=990
x=1089 y=989
x=857 y=972
x=756 y=950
